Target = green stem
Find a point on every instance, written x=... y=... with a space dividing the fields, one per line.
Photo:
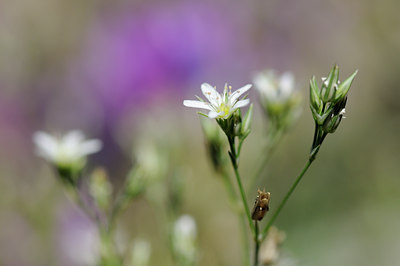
x=285 y=199
x=118 y=205
x=274 y=139
x=109 y=255
x=316 y=133
x=257 y=248
x=244 y=199
x=242 y=222
x=245 y=241
x=234 y=160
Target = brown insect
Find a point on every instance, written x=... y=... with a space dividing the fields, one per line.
x=261 y=205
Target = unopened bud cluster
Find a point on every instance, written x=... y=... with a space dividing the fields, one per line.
x=328 y=104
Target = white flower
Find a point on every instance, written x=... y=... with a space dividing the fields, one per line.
x=273 y=88
x=68 y=151
x=220 y=106
x=184 y=237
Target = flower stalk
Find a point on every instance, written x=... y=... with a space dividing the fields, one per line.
x=328 y=107
x=257 y=242
x=284 y=201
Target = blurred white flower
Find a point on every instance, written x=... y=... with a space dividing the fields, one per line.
x=141 y=251
x=270 y=248
x=279 y=97
x=184 y=239
x=69 y=151
x=151 y=159
x=151 y=166
x=273 y=88
x=220 y=106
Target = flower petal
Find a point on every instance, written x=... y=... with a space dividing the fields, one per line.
x=46 y=145
x=196 y=104
x=286 y=85
x=211 y=94
x=265 y=84
x=213 y=114
x=90 y=146
x=73 y=138
x=236 y=94
x=241 y=103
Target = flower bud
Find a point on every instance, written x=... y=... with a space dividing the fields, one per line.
x=152 y=165
x=184 y=240
x=141 y=251
x=331 y=123
x=344 y=87
x=328 y=105
x=246 y=124
x=330 y=84
x=315 y=97
x=100 y=188
x=215 y=142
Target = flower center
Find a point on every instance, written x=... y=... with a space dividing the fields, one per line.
x=224 y=108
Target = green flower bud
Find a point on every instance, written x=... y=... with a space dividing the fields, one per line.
x=328 y=106
x=141 y=251
x=315 y=97
x=100 y=188
x=332 y=122
x=320 y=119
x=246 y=124
x=344 y=87
x=184 y=240
x=151 y=165
x=136 y=182
x=215 y=143
x=329 y=85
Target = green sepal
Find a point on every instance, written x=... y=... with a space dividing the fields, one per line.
x=320 y=119
x=246 y=123
x=345 y=86
x=332 y=79
x=203 y=114
x=314 y=152
x=315 y=97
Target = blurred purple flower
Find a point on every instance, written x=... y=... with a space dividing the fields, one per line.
x=134 y=57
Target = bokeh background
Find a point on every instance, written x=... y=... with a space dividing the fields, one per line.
x=119 y=70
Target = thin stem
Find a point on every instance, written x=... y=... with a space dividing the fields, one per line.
x=274 y=139
x=244 y=200
x=242 y=222
x=257 y=248
x=233 y=155
x=245 y=241
x=316 y=131
x=285 y=199
x=119 y=202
